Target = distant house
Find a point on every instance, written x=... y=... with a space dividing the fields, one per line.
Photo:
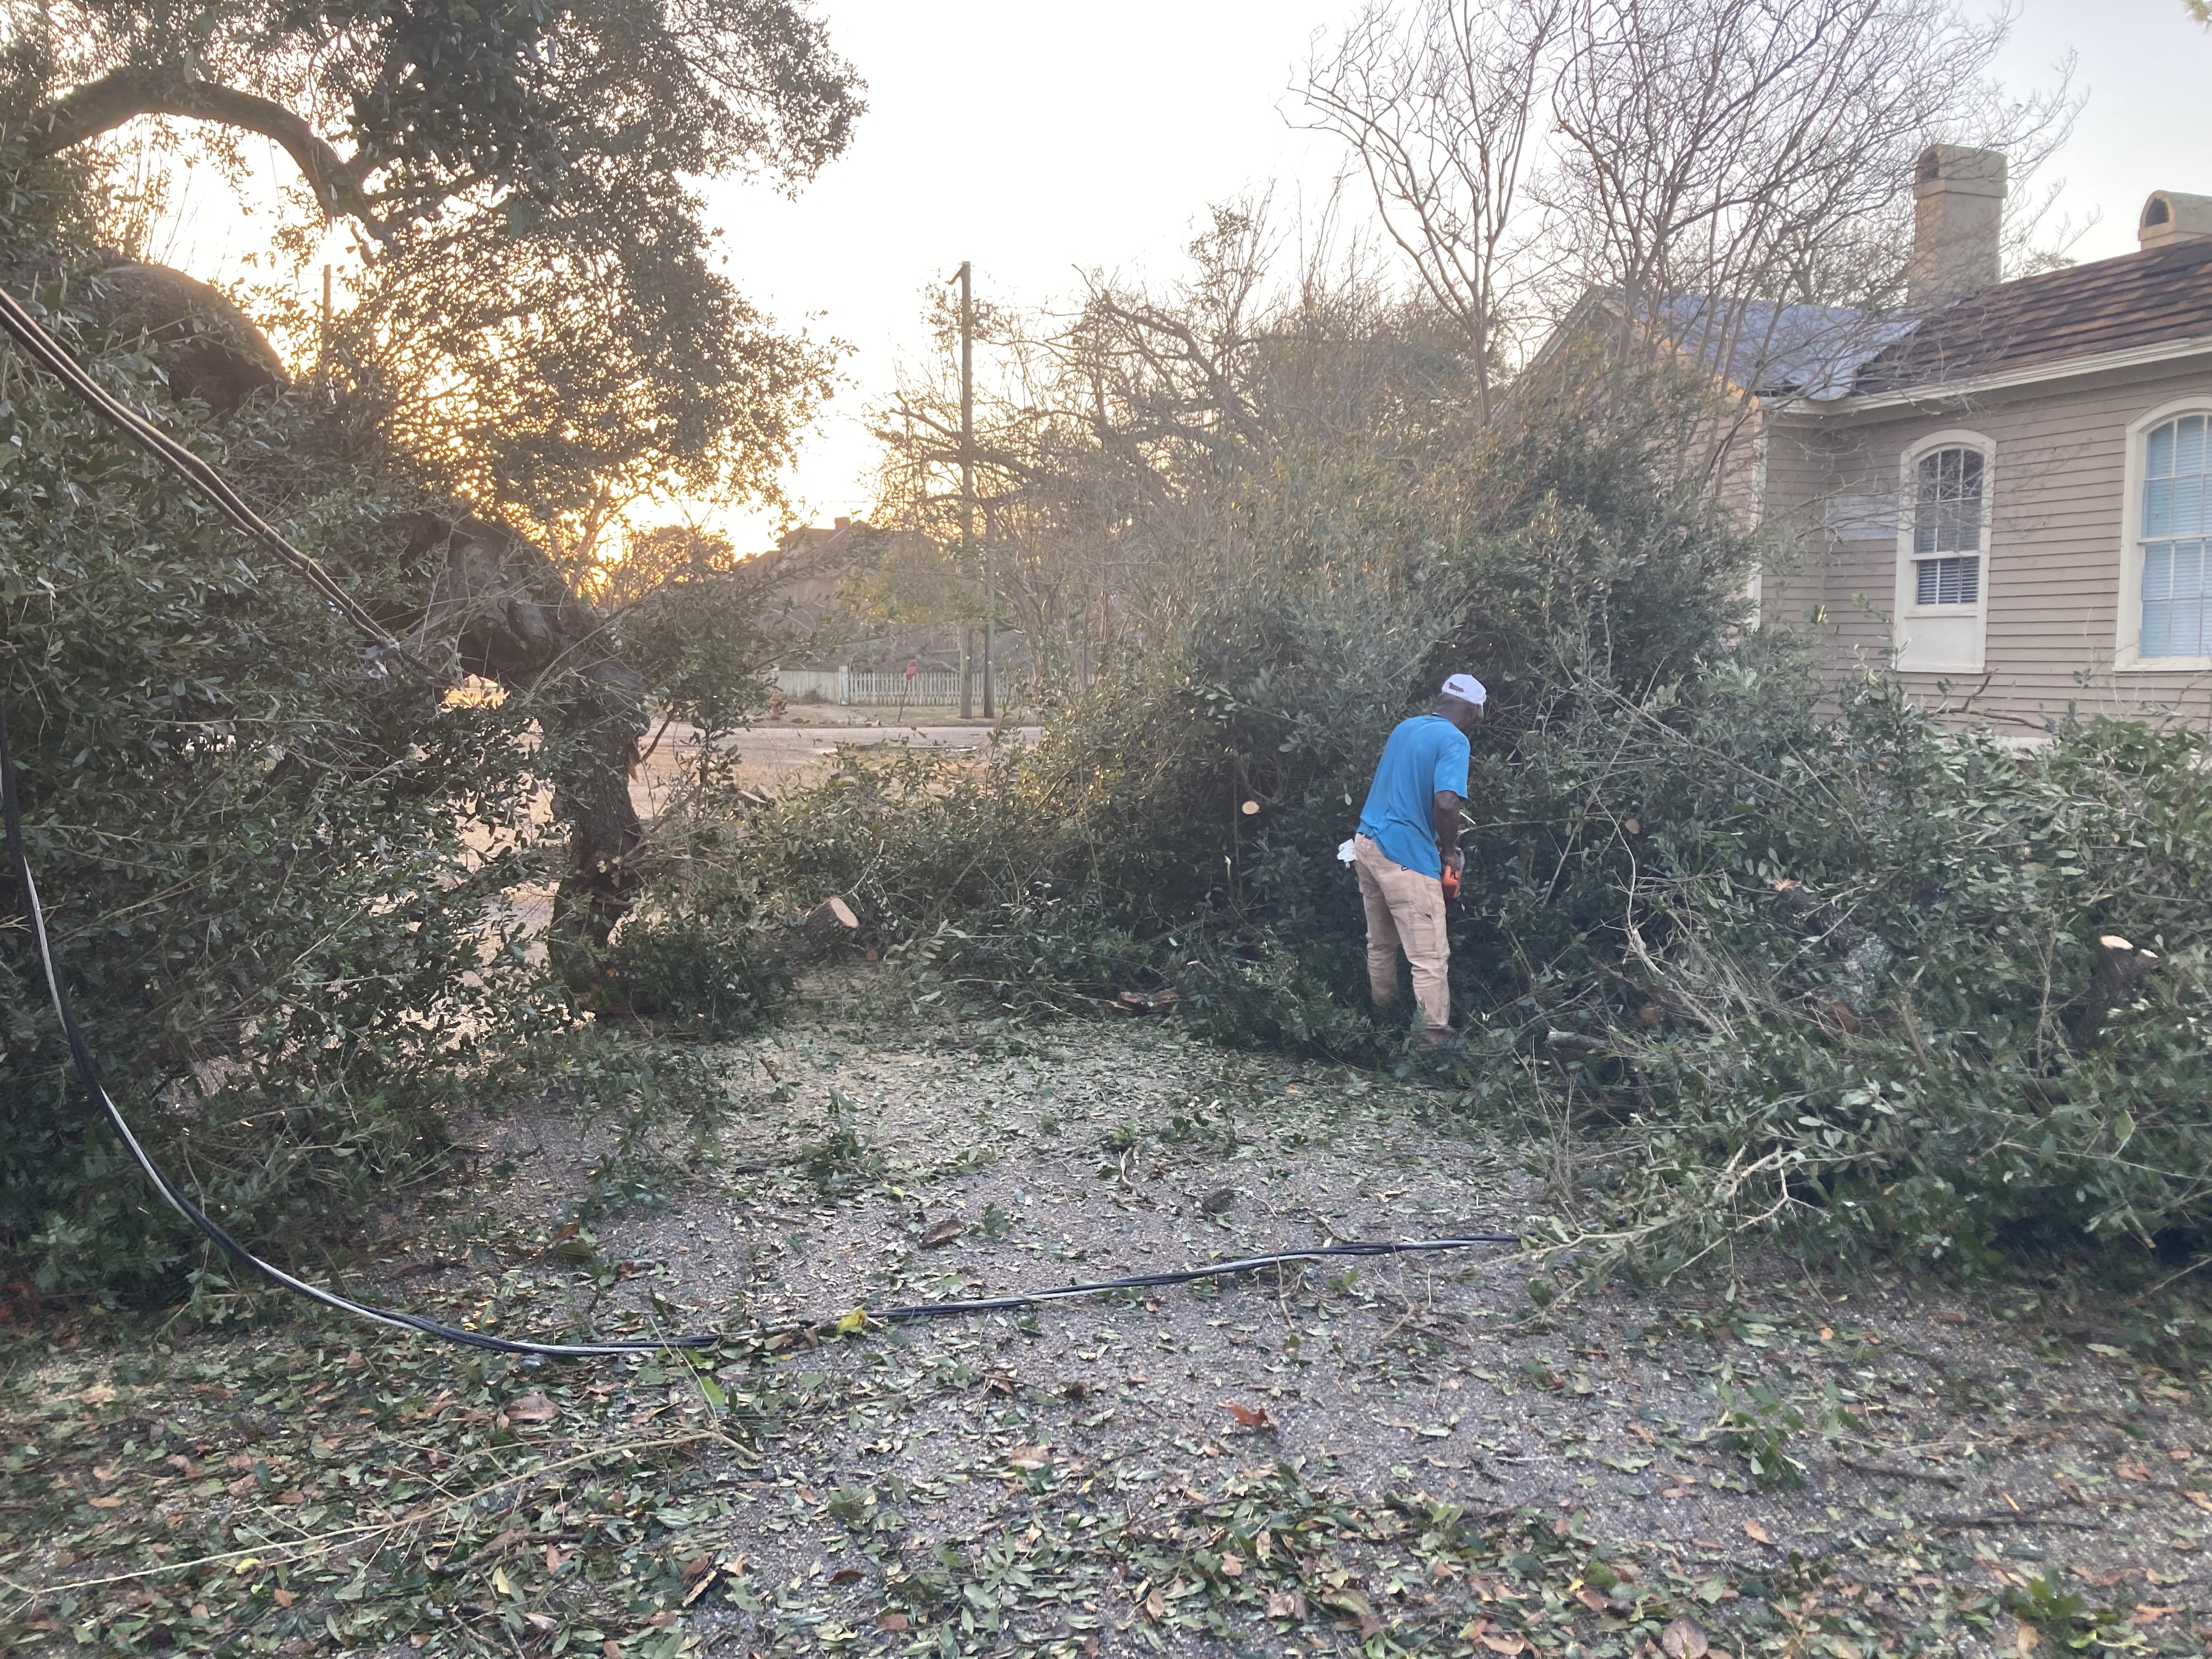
x=830 y=652
x=2004 y=495
x=804 y=572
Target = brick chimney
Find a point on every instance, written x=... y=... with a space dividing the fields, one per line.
x=2169 y=217
x=1958 y=213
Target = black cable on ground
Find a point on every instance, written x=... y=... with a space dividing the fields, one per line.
x=43 y=349
x=1187 y=1275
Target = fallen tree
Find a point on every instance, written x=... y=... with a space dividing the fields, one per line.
x=429 y=131
x=278 y=862
x=479 y=600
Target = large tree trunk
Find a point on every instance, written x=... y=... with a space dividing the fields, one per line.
x=480 y=601
x=497 y=605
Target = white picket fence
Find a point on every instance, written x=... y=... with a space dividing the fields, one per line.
x=928 y=689
x=811 y=685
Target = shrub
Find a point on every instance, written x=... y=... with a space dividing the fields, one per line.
x=702 y=959
x=268 y=862
x=1982 y=1089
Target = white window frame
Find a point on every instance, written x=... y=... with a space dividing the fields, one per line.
x=1907 y=604
x=2127 y=636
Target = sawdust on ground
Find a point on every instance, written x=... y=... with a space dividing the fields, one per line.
x=1089 y=1150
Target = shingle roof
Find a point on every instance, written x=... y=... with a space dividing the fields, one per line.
x=2137 y=300
x=1771 y=348
x=1824 y=353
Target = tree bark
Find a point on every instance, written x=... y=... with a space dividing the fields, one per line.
x=1866 y=955
x=497 y=605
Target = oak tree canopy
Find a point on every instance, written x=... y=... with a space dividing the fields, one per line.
x=542 y=317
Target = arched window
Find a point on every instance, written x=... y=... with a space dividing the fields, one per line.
x=2176 y=531
x=1941 y=620
x=1947 y=527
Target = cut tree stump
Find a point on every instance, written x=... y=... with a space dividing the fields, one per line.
x=824 y=928
x=1147 y=1002
x=2119 y=968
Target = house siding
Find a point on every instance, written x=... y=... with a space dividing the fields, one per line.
x=2053 y=562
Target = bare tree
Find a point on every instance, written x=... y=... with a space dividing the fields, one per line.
x=1112 y=441
x=1444 y=112
x=1736 y=174
x=1095 y=431
x=1737 y=147
x=1696 y=174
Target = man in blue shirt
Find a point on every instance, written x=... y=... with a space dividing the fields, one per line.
x=1408 y=837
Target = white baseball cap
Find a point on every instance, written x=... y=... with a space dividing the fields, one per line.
x=1467 y=689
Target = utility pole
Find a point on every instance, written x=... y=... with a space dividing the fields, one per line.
x=968 y=471
x=966 y=634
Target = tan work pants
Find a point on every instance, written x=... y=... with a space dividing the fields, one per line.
x=1405 y=912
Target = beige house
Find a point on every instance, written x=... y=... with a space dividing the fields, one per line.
x=2003 y=495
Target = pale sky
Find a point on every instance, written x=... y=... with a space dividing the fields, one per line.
x=1039 y=140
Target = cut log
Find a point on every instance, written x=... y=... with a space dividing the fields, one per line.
x=1576 y=1042
x=825 y=929
x=2118 y=969
x=1147 y=1002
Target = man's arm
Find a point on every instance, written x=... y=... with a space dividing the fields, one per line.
x=1444 y=814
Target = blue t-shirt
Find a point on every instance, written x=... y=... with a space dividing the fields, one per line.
x=1426 y=755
